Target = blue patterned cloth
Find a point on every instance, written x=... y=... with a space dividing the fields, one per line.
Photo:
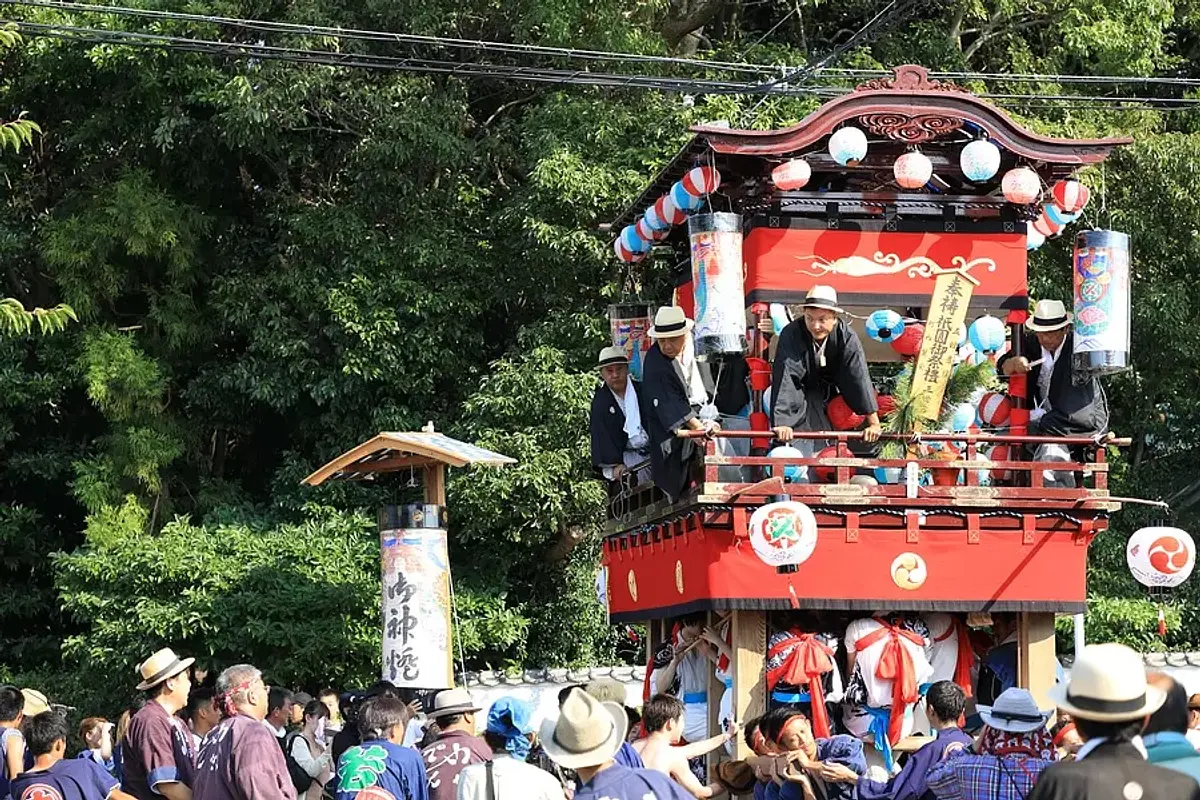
x=972 y=777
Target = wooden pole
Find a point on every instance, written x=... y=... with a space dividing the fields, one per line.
x=749 y=670
x=1035 y=655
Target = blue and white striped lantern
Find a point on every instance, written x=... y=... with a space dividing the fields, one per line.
x=1033 y=237
x=654 y=221
x=1058 y=216
x=884 y=325
x=792 y=473
x=962 y=418
x=980 y=160
x=632 y=241
x=848 y=146
x=888 y=474
x=683 y=200
x=987 y=334
x=962 y=334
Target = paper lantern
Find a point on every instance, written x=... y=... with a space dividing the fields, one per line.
x=884 y=325
x=963 y=417
x=624 y=253
x=1046 y=226
x=783 y=534
x=1070 y=195
x=700 y=181
x=841 y=416
x=654 y=218
x=683 y=200
x=908 y=343
x=766 y=400
x=984 y=476
x=666 y=210
x=994 y=410
x=848 y=146
x=825 y=474
x=886 y=403
x=1102 y=310
x=1161 y=557
x=791 y=472
x=794 y=174
x=962 y=335
x=1058 y=216
x=647 y=233
x=987 y=334
x=913 y=170
x=1033 y=237
x=720 y=300
x=628 y=324
x=632 y=241
x=1021 y=186
x=888 y=474
x=1000 y=452
x=980 y=160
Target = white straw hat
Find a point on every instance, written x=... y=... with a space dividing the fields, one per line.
x=161 y=666
x=824 y=297
x=612 y=355
x=1048 y=315
x=587 y=732
x=1108 y=684
x=669 y=322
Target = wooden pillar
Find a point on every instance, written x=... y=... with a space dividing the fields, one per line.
x=749 y=669
x=435 y=484
x=716 y=688
x=1035 y=655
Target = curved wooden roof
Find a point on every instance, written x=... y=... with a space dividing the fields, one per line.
x=390 y=451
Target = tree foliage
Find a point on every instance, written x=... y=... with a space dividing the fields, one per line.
x=272 y=262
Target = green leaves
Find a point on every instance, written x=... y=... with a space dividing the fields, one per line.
x=16 y=321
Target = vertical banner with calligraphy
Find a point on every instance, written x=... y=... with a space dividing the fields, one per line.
x=952 y=291
x=415 y=566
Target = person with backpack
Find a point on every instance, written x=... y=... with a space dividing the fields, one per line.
x=306 y=755
x=52 y=775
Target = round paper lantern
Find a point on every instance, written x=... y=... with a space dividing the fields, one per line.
x=683 y=200
x=794 y=174
x=908 y=343
x=980 y=160
x=766 y=400
x=848 y=146
x=987 y=334
x=888 y=474
x=1033 y=237
x=1046 y=226
x=999 y=453
x=791 y=472
x=1056 y=214
x=783 y=534
x=632 y=240
x=985 y=476
x=666 y=210
x=1161 y=556
x=841 y=416
x=700 y=181
x=1070 y=195
x=886 y=403
x=1021 y=186
x=624 y=253
x=884 y=325
x=913 y=170
x=962 y=335
x=994 y=410
x=648 y=233
x=825 y=474
x=963 y=417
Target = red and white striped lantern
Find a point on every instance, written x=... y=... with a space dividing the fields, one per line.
x=648 y=232
x=789 y=175
x=666 y=210
x=1000 y=452
x=913 y=170
x=1021 y=185
x=625 y=254
x=700 y=181
x=1070 y=195
x=1047 y=226
x=995 y=409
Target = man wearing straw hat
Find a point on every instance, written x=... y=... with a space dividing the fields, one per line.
x=817 y=358
x=158 y=757
x=585 y=737
x=672 y=393
x=619 y=443
x=1110 y=700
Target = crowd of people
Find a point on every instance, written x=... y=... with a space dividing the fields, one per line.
x=1120 y=733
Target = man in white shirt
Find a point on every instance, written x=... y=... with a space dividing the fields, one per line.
x=279 y=711
x=510 y=734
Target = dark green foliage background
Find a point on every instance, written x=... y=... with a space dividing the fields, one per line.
x=272 y=262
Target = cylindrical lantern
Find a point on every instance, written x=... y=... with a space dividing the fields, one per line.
x=987 y=334
x=884 y=325
x=783 y=534
x=912 y=170
x=794 y=174
x=684 y=200
x=980 y=160
x=1161 y=556
x=1021 y=186
x=1102 y=315
x=624 y=253
x=628 y=324
x=1070 y=195
x=848 y=146
x=908 y=343
x=415 y=565
x=1033 y=237
x=717 y=283
x=654 y=219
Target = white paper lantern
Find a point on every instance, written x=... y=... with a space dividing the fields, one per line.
x=912 y=170
x=783 y=534
x=980 y=160
x=1161 y=557
x=848 y=146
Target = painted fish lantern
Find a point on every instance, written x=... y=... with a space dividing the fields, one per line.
x=783 y=535
x=1161 y=557
x=1102 y=313
x=628 y=324
x=716 y=245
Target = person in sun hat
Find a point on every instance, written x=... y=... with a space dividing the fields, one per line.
x=158 y=757
x=817 y=358
x=619 y=442
x=1058 y=405
x=1110 y=700
x=610 y=690
x=585 y=737
x=672 y=394
x=456 y=746
x=1014 y=748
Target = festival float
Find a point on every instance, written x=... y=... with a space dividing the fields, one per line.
x=918 y=202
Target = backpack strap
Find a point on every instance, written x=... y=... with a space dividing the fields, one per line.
x=491 y=780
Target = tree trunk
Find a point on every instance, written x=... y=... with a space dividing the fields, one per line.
x=569 y=537
x=685 y=20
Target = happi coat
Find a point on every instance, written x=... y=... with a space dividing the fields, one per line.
x=67 y=779
x=665 y=409
x=801 y=387
x=910 y=783
x=1071 y=409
